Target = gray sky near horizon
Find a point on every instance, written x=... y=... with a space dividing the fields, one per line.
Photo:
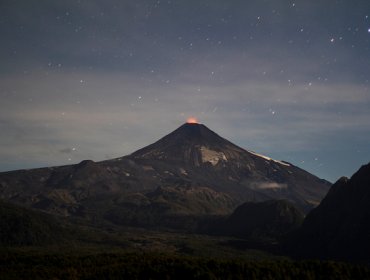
x=101 y=79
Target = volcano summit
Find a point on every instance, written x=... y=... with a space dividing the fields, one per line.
x=190 y=172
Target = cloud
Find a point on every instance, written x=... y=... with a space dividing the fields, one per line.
x=119 y=113
x=269 y=186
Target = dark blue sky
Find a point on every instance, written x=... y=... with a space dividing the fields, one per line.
x=100 y=79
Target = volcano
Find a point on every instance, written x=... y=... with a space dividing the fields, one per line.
x=195 y=152
x=190 y=172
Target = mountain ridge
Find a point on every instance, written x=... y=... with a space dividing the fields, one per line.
x=192 y=157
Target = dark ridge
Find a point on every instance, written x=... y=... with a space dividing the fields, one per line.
x=272 y=218
x=339 y=227
x=22 y=226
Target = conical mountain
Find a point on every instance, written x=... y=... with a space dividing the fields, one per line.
x=190 y=144
x=213 y=161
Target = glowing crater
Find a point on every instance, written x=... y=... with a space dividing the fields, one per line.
x=192 y=120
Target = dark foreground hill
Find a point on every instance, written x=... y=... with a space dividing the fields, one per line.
x=268 y=219
x=20 y=226
x=340 y=226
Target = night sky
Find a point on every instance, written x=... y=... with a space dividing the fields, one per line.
x=101 y=79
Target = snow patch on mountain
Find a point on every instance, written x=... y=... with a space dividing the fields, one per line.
x=269 y=159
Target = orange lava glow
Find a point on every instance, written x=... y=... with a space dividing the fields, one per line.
x=192 y=120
